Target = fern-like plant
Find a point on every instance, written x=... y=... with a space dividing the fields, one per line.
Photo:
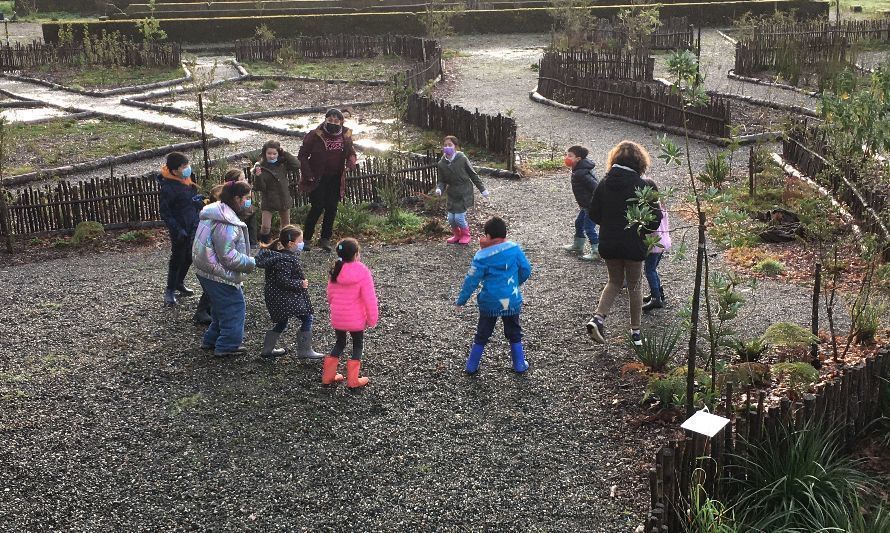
x=658 y=348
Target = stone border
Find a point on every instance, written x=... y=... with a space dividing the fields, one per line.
x=22 y=104
x=721 y=141
x=110 y=92
x=73 y=116
x=95 y=164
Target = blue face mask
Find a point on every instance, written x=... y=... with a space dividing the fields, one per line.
x=247 y=203
x=271 y=161
x=300 y=245
x=187 y=172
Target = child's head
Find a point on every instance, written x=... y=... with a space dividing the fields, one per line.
x=289 y=238
x=452 y=141
x=495 y=228
x=631 y=155
x=574 y=154
x=347 y=252
x=234 y=174
x=271 y=151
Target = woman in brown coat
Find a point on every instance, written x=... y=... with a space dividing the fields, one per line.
x=270 y=178
x=325 y=155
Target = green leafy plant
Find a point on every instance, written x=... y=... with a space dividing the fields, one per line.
x=637 y=26
x=745 y=375
x=86 y=232
x=668 y=390
x=749 y=350
x=734 y=229
x=770 y=266
x=705 y=514
x=392 y=192
x=150 y=27
x=867 y=314
x=263 y=33
x=268 y=86
x=796 y=480
x=352 y=218
x=799 y=377
x=717 y=170
x=659 y=347
x=788 y=335
x=135 y=237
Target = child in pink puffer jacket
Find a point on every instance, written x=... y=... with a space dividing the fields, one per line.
x=353 y=302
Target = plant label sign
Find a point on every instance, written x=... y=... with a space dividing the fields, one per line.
x=705 y=423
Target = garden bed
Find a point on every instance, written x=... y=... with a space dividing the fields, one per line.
x=77 y=141
x=103 y=78
x=267 y=95
x=351 y=69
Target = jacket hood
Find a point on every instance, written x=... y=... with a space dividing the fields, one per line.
x=620 y=178
x=351 y=273
x=268 y=257
x=220 y=212
x=584 y=164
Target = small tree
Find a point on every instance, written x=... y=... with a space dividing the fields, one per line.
x=150 y=27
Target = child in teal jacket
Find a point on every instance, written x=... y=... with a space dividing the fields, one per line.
x=501 y=267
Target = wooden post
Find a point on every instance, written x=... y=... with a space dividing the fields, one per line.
x=204 y=139
x=751 y=189
x=696 y=304
x=4 y=209
x=814 y=349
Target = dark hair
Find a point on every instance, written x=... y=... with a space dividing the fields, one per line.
x=579 y=151
x=231 y=190
x=233 y=174
x=334 y=112
x=271 y=144
x=631 y=155
x=495 y=227
x=453 y=140
x=176 y=160
x=287 y=235
x=347 y=249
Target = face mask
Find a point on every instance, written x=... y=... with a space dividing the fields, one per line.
x=187 y=172
x=569 y=162
x=300 y=245
x=449 y=151
x=248 y=203
x=332 y=129
x=271 y=161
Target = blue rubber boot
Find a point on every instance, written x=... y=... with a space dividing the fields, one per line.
x=518 y=355
x=475 y=358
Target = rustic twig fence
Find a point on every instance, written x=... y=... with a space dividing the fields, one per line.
x=847 y=405
x=853 y=31
x=124 y=53
x=131 y=202
x=804 y=147
x=340 y=45
x=495 y=133
x=637 y=100
x=675 y=33
x=615 y=65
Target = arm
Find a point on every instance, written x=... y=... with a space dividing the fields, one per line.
x=525 y=268
x=471 y=282
x=474 y=177
x=167 y=216
x=228 y=255
x=303 y=156
x=368 y=296
x=441 y=184
x=594 y=211
x=290 y=276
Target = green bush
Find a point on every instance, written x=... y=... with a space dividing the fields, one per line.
x=799 y=377
x=867 y=316
x=745 y=375
x=135 y=237
x=749 y=350
x=770 y=266
x=352 y=218
x=659 y=347
x=268 y=86
x=717 y=171
x=788 y=335
x=86 y=232
x=668 y=390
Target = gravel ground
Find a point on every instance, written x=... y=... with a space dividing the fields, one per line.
x=114 y=418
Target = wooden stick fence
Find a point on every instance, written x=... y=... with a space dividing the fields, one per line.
x=497 y=134
x=652 y=103
x=615 y=65
x=133 y=201
x=752 y=57
x=675 y=33
x=122 y=53
x=848 y=405
x=852 y=31
x=345 y=45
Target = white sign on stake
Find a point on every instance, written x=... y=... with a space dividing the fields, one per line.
x=705 y=423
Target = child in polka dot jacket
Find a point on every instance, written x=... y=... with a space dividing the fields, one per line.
x=286 y=292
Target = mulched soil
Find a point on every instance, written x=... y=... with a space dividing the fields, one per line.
x=750 y=118
x=68 y=77
x=248 y=96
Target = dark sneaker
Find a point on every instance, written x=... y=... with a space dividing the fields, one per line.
x=597 y=330
x=306 y=246
x=184 y=291
x=229 y=353
x=325 y=244
x=637 y=339
x=208 y=347
x=654 y=303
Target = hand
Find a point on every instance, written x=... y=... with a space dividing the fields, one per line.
x=350 y=163
x=305 y=283
x=257 y=170
x=438 y=192
x=485 y=193
x=182 y=235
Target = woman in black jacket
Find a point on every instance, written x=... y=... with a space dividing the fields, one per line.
x=623 y=248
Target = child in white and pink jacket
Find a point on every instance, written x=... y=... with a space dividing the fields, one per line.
x=353 y=302
x=655 y=300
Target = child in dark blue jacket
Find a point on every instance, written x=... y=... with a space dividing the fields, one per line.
x=502 y=268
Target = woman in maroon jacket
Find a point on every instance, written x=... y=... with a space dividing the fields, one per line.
x=325 y=155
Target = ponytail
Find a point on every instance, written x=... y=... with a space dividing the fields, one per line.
x=347 y=249
x=287 y=235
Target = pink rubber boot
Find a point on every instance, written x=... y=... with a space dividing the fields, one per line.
x=464 y=236
x=455 y=235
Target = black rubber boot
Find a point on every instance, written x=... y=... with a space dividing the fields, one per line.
x=654 y=303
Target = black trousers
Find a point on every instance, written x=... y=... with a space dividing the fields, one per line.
x=180 y=261
x=485 y=328
x=358 y=343
x=324 y=198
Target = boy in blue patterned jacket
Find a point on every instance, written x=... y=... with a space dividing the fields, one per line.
x=501 y=268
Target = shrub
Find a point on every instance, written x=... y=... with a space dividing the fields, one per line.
x=668 y=390
x=882 y=276
x=135 y=237
x=658 y=348
x=770 y=266
x=799 y=377
x=796 y=480
x=352 y=218
x=268 y=86
x=717 y=171
x=547 y=164
x=866 y=317
x=788 y=335
x=263 y=33
x=392 y=192
x=745 y=375
x=86 y=232
x=749 y=350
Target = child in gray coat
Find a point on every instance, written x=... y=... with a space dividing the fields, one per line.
x=456 y=179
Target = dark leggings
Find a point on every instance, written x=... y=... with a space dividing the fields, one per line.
x=358 y=341
x=306 y=324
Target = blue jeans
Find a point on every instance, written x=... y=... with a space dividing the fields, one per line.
x=458 y=220
x=512 y=329
x=306 y=324
x=652 y=277
x=227 y=309
x=583 y=225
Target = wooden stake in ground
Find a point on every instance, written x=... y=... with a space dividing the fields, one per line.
x=814 y=348
x=4 y=209
x=204 y=139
